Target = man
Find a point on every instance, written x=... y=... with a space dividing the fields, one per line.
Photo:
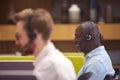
x=33 y=34
x=87 y=38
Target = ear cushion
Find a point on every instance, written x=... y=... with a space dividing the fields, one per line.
x=31 y=34
x=88 y=37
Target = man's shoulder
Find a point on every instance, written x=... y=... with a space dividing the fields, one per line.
x=95 y=62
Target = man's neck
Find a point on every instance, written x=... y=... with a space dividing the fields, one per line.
x=91 y=48
x=40 y=47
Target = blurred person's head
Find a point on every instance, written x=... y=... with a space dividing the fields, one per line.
x=33 y=30
x=87 y=37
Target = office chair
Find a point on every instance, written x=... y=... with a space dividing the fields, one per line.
x=77 y=59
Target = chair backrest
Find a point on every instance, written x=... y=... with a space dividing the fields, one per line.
x=115 y=56
x=16 y=68
x=16 y=58
x=20 y=62
x=85 y=76
x=109 y=77
x=77 y=60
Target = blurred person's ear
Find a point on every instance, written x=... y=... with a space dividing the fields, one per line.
x=101 y=38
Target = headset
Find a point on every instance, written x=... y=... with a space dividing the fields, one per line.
x=30 y=32
x=88 y=37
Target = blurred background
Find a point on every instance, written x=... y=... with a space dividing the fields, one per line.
x=67 y=14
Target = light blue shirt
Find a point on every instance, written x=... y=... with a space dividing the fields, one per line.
x=98 y=62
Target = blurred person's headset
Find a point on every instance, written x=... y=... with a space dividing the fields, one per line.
x=30 y=32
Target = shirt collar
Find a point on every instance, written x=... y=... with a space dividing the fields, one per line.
x=45 y=51
x=94 y=51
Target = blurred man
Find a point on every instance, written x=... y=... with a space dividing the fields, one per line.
x=33 y=34
x=87 y=38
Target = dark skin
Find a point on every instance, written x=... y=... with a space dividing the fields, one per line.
x=82 y=43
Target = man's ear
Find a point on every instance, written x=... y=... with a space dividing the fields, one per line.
x=36 y=31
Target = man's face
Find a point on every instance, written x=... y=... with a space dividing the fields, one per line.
x=21 y=34
x=22 y=39
x=80 y=39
